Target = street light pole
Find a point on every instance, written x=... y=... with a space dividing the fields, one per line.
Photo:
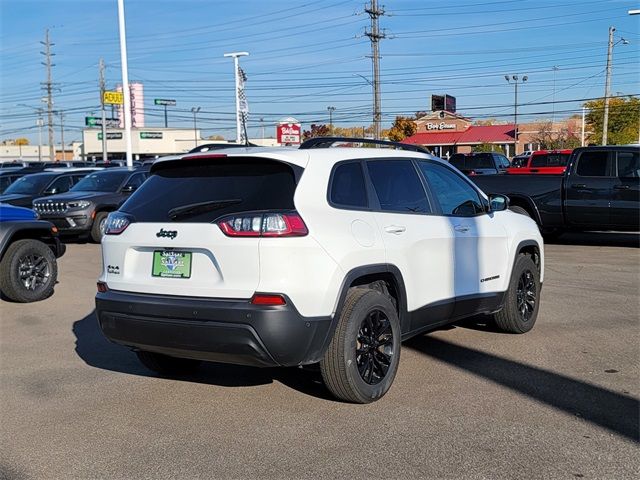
x=516 y=80
x=195 y=111
x=331 y=110
x=126 y=105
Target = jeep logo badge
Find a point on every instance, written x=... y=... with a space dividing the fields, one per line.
x=167 y=234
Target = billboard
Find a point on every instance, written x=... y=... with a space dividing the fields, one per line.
x=288 y=133
x=443 y=102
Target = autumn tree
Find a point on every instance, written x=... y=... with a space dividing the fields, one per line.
x=22 y=141
x=402 y=128
x=548 y=139
x=316 y=130
x=624 y=120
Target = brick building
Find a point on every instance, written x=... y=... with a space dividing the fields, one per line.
x=446 y=133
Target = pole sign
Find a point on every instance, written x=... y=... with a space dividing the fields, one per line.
x=93 y=122
x=112 y=98
x=164 y=101
x=288 y=133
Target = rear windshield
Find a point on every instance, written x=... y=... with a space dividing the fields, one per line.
x=550 y=160
x=204 y=190
x=101 y=182
x=470 y=162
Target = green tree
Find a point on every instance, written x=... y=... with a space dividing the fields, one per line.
x=402 y=128
x=488 y=147
x=624 y=120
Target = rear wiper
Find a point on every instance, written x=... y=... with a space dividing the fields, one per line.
x=202 y=207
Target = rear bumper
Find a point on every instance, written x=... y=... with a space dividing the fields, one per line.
x=228 y=331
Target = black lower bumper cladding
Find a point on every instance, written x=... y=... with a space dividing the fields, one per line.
x=228 y=331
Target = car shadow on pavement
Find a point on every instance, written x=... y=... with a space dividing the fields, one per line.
x=95 y=350
x=597 y=239
x=616 y=412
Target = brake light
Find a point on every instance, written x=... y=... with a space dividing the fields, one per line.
x=204 y=157
x=116 y=223
x=102 y=287
x=263 y=224
x=472 y=172
x=263 y=299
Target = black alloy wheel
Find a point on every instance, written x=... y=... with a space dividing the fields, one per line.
x=526 y=295
x=374 y=347
x=33 y=271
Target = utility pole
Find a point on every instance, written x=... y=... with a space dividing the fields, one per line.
x=553 y=103
x=39 y=123
x=582 y=136
x=374 y=37
x=239 y=115
x=48 y=88
x=61 y=113
x=105 y=155
x=607 y=87
x=331 y=110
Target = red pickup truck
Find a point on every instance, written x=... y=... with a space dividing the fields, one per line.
x=549 y=162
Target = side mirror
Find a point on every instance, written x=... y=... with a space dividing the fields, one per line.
x=498 y=203
x=128 y=189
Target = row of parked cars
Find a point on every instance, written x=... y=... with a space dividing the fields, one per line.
x=550 y=162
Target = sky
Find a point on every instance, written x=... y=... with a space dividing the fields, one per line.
x=305 y=56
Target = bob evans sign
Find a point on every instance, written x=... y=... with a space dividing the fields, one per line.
x=441 y=126
x=288 y=133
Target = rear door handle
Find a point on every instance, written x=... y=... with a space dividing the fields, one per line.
x=622 y=187
x=579 y=185
x=461 y=228
x=397 y=229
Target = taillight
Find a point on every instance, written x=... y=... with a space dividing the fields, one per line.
x=102 y=287
x=263 y=224
x=472 y=172
x=266 y=299
x=116 y=223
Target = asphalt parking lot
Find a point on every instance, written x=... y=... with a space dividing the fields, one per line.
x=559 y=402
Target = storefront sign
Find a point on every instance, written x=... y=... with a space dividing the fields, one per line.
x=151 y=135
x=111 y=135
x=112 y=98
x=441 y=126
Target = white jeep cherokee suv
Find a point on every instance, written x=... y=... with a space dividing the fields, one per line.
x=283 y=257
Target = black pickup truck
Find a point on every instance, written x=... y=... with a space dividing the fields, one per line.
x=600 y=190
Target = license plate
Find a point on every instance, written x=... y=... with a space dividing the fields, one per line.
x=171 y=264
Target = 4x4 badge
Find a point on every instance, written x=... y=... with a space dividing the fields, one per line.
x=167 y=233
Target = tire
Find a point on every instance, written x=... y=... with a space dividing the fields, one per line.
x=166 y=365
x=28 y=271
x=96 y=228
x=364 y=310
x=525 y=278
x=520 y=210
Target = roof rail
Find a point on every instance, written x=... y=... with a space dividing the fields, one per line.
x=327 y=142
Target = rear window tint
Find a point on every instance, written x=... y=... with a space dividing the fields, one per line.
x=550 y=160
x=347 y=186
x=223 y=186
x=593 y=164
x=469 y=162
